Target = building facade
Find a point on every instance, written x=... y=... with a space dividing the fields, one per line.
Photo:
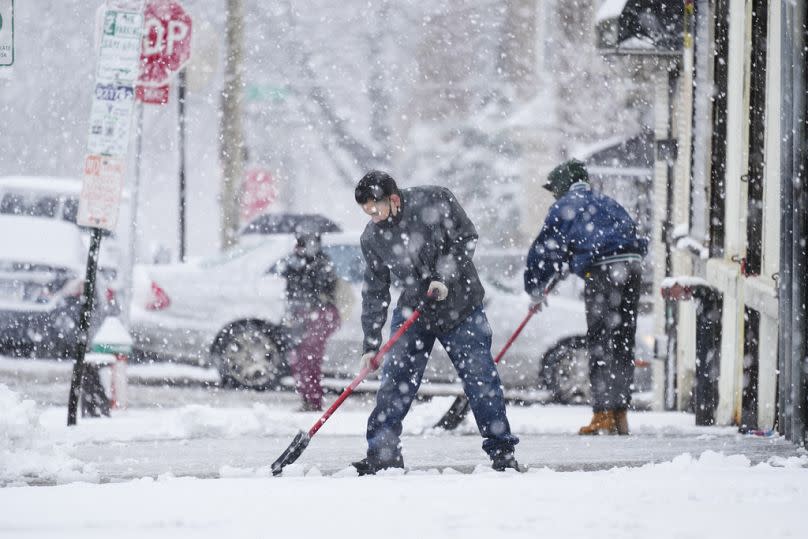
x=729 y=190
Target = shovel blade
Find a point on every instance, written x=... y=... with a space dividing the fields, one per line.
x=455 y=414
x=292 y=452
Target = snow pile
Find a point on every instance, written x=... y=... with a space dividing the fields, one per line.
x=25 y=450
x=712 y=495
x=17 y=420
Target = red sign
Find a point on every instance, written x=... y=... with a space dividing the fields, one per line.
x=166 y=41
x=153 y=95
x=101 y=191
x=258 y=191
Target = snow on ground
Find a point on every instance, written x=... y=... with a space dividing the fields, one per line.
x=194 y=461
x=709 y=496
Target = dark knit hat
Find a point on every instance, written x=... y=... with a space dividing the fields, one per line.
x=564 y=175
x=375 y=185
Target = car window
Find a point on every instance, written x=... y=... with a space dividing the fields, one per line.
x=30 y=205
x=348 y=261
x=70 y=210
x=45 y=207
x=12 y=204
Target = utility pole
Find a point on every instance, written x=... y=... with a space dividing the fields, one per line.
x=231 y=135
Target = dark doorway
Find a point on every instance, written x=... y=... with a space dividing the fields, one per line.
x=718 y=158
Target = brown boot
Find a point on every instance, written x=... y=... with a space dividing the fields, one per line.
x=602 y=423
x=621 y=419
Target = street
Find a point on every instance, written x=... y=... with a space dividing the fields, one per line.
x=208 y=432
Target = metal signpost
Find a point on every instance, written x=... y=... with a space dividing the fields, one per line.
x=166 y=49
x=108 y=143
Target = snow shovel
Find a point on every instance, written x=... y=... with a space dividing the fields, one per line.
x=302 y=439
x=459 y=409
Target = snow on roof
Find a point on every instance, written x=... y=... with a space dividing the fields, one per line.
x=610 y=9
x=36 y=240
x=584 y=151
x=636 y=44
x=113 y=333
x=52 y=184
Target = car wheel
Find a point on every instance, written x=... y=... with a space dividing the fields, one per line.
x=249 y=355
x=565 y=371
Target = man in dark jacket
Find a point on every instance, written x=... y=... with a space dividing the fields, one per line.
x=599 y=241
x=423 y=238
x=310 y=290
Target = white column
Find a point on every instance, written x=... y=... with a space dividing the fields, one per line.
x=767 y=364
x=725 y=274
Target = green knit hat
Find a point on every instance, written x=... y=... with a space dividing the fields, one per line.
x=564 y=175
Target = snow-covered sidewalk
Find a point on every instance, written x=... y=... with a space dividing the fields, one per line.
x=167 y=469
x=712 y=496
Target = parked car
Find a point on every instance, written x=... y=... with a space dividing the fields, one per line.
x=42 y=270
x=54 y=197
x=227 y=311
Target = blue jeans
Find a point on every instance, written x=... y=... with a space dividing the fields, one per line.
x=469 y=347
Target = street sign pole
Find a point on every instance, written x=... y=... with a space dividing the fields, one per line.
x=181 y=83
x=87 y=305
x=117 y=69
x=127 y=277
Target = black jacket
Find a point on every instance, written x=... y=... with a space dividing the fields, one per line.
x=430 y=239
x=310 y=281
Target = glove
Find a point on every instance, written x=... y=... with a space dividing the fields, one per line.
x=437 y=291
x=367 y=359
x=538 y=302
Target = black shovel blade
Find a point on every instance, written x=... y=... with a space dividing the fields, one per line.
x=292 y=452
x=455 y=414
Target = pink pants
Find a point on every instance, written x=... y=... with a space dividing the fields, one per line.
x=306 y=360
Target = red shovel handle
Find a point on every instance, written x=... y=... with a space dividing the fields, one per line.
x=367 y=370
x=533 y=310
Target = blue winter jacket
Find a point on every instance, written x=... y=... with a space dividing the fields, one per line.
x=583 y=229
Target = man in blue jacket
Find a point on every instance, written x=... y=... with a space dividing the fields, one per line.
x=599 y=241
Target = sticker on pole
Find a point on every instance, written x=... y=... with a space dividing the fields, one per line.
x=6 y=33
x=110 y=115
x=101 y=191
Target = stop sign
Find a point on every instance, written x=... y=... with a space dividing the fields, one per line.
x=166 y=41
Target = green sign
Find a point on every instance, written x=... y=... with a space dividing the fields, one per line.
x=265 y=92
x=6 y=32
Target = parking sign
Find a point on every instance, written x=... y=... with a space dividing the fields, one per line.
x=6 y=33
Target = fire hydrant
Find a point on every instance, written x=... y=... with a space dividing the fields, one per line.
x=105 y=380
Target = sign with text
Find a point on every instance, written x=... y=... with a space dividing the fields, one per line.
x=119 y=49
x=258 y=192
x=110 y=118
x=6 y=32
x=118 y=64
x=153 y=95
x=101 y=191
x=166 y=41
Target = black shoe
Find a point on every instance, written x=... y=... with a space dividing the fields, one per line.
x=504 y=461
x=308 y=407
x=368 y=466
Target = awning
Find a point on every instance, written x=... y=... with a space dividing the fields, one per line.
x=640 y=26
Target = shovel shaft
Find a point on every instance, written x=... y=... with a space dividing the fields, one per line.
x=364 y=372
x=516 y=333
x=530 y=312
x=460 y=407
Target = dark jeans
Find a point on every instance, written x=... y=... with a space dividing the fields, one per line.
x=469 y=347
x=612 y=295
